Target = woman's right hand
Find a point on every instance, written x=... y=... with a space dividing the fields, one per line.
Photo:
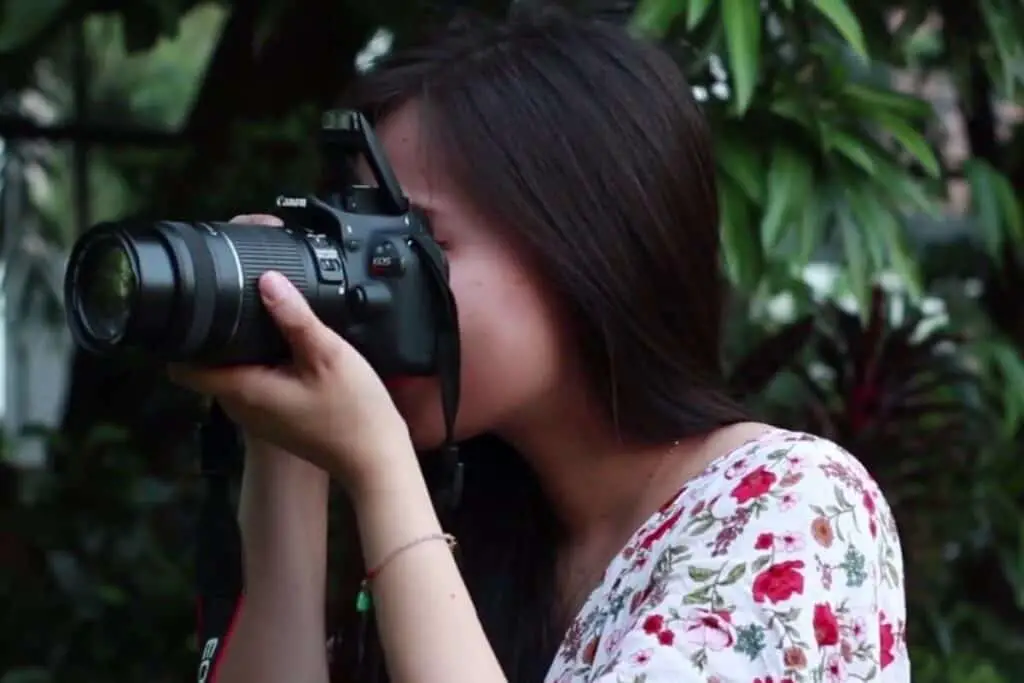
x=282 y=514
x=287 y=469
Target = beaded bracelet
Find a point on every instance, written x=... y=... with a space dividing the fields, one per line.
x=363 y=600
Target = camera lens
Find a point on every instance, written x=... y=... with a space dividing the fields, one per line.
x=107 y=288
x=185 y=291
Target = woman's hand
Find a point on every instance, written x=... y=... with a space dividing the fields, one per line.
x=328 y=407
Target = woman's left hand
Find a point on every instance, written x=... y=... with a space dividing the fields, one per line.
x=328 y=406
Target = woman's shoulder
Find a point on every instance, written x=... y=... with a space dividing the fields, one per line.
x=799 y=482
x=779 y=459
x=781 y=560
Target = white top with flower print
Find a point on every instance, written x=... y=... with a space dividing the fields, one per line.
x=780 y=563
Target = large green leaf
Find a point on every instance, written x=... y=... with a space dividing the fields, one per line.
x=744 y=260
x=853 y=149
x=911 y=141
x=740 y=160
x=856 y=256
x=1007 y=40
x=994 y=203
x=845 y=21
x=884 y=235
x=742 y=19
x=869 y=100
x=789 y=182
x=697 y=9
x=654 y=17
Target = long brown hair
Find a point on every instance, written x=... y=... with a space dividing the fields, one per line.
x=589 y=145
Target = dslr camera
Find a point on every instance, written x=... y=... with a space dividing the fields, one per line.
x=361 y=255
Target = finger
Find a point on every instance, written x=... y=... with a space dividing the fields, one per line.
x=312 y=343
x=210 y=381
x=246 y=385
x=257 y=219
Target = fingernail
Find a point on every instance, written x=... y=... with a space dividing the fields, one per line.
x=275 y=287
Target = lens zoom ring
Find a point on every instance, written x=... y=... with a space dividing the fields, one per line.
x=260 y=251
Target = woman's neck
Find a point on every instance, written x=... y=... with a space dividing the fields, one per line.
x=593 y=479
x=603 y=488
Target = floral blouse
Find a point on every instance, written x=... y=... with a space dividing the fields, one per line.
x=779 y=564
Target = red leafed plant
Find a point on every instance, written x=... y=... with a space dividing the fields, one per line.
x=907 y=398
x=896 y=393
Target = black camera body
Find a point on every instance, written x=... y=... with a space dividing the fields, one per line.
x=361 y=255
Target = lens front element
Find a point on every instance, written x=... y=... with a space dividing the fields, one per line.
x=107 y=288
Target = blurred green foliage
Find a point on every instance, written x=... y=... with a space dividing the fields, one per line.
x=863 y=311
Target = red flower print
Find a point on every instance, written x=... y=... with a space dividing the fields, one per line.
x=791 y=479
x=827 y=617
x=779 y=582
x=887 y=641
x=835 y=669
x=826 y=628
x=650 y=539
x=791 y=542
x=794 y=658
x=754 y=485
x=639 y=598
x=734 y=470
x=858 y=630
x=711 y=630
x=821 y=531
x=654 y=623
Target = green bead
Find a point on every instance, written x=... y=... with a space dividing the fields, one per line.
x=363 y=601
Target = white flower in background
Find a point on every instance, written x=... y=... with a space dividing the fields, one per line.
x=847 y=303
x=936 y=316
x=821 y=278
x=891 y=282
x=781 y=308
x=720 y=90
x=973 y=288
x=821 y=374
x=826 y=282
x=717 y=68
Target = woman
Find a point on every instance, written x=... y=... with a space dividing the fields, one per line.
x=623 y=519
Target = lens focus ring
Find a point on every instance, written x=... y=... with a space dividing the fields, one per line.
x=260 y=250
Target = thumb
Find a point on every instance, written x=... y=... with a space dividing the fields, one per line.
x=311 y=342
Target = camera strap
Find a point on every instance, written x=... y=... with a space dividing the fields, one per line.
x=447 y=486
x=219 y=543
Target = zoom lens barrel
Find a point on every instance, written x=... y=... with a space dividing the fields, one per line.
x=188 y=291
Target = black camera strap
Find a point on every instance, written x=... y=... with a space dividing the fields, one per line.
x=447 y=489
x=219 y=549
x=219 y=544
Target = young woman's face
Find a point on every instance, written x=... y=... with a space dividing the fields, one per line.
x=512 y=351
